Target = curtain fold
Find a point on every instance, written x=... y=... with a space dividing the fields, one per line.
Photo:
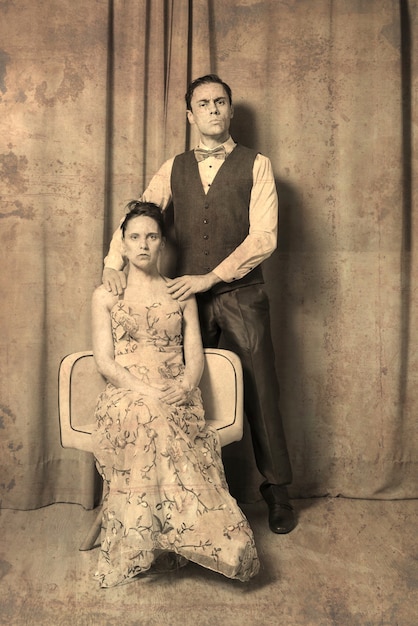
x=52 y=174
x=92 y=102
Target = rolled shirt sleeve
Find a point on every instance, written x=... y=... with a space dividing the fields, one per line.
x=261 y=240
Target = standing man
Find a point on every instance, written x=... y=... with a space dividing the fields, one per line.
x=225 y=216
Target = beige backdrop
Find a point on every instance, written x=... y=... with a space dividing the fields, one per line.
x=91 y=97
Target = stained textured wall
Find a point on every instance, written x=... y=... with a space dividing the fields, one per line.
x=327 y=90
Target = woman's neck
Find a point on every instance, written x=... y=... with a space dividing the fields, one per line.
x=143 y=285
x=137 y=276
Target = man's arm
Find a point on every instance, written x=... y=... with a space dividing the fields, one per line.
x=261 y=240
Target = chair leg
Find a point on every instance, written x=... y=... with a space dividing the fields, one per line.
x=90 y=539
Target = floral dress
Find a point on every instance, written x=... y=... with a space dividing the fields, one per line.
x=165 y=488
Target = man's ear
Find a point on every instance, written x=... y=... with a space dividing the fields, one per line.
x=190 y=116
x=232 y=111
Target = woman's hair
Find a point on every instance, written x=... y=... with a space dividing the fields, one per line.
x=204 y=80
x=136 y=208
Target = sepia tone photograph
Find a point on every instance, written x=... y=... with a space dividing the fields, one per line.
x=209 y=289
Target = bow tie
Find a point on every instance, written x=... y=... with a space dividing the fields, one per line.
x=218 y=153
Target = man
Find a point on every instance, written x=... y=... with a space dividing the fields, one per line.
x=225 y=216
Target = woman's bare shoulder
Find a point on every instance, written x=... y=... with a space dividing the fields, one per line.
x=101 y=296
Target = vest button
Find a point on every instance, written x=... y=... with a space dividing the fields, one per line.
x=206 y=206
x=206 y=253
x=205 y=221
x=205 y=236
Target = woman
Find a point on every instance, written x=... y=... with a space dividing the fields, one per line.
x=166 y=495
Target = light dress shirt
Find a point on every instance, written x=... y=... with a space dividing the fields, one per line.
x=261 y=240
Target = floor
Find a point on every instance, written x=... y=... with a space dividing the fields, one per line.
x=348 y=563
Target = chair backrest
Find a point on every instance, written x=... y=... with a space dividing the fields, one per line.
x=80 y=384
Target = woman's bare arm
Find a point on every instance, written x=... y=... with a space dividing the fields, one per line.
x=193 y=348
x=179 y=392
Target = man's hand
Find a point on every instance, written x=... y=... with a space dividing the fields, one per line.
x=183 y=287
x=114 y=281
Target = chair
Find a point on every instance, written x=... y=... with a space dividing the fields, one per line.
x=80 y=384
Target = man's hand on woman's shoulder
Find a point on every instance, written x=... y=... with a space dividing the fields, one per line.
x=114 y=281
x=185 y=286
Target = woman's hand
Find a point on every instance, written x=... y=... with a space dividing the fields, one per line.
x=146 y=389
x=177 y=393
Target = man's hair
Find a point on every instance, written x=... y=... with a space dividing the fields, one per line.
x=136 y=208
x=204 y=80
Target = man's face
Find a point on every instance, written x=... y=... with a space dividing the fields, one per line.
x=211 y=112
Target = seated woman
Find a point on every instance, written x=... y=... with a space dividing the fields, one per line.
x=166 y=494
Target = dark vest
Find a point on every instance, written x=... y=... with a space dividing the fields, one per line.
x=210 y=226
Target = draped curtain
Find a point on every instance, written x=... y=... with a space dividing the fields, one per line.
x=92 y=102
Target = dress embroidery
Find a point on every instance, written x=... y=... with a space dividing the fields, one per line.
x=166 y=488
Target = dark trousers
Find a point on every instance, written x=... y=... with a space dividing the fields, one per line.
x=239 y=320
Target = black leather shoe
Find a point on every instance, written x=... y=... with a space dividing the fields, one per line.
x=281 y=515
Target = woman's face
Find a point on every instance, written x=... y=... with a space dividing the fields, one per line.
x=142 y=242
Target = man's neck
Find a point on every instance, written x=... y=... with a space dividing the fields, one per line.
x=213 y=142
